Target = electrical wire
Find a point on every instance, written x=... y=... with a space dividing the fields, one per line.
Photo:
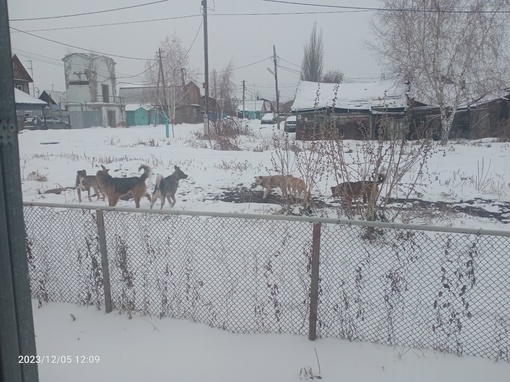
x=77 y=47
x=379 y=9
x=113 y=24
x=89 y=13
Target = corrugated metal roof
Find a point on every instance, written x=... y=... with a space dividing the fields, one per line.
x=361 y=96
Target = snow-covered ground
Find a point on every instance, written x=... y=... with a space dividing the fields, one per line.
x=146 y=348
x=110 y=347
x=467 y=173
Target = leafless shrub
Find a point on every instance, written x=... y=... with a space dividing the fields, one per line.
x=151 y=142
x=112 y=140
x=229 y=127
x=37 y=176
x=234 y=166
x=383 y=150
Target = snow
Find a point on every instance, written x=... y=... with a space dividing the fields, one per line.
x=24 y=98
x=146 y=348
x=149 y=349
x=361 y=96
x=475 y=171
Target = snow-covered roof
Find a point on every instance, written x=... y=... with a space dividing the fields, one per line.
x=136 y=106
x=360 y=96
x=26 y=99
x=252 y=105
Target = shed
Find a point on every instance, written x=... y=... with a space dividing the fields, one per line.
x=254 y=109
x=143 y=115
x=347 y=110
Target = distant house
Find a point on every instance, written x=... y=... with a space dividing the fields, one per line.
x=52 y=99
x=356 y=110
x=347 y=110
x=21 y=78
x=254 y=109
x=91 y=91
x=186 y=99
x=26 y=105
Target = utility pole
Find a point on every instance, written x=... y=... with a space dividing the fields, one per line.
x=165 y=99
x=244 y=90
x=276 y=85
x=206 y=70
x=32 y=74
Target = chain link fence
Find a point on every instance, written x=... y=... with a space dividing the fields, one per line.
x=443 y=289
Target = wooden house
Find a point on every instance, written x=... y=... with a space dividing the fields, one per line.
x=347 y=110
x=21 y=78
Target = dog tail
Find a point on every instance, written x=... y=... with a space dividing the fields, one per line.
x=146 y=172
x=158 y=183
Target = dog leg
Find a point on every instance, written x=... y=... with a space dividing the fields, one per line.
x=78 y=189
x=112 y=202
x=266 y=193
x=88 y=194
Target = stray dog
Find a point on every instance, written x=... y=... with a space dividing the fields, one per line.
x=297 y=186
x=86 y=182
x=167 y=187
x=271 y=181
x=114 y=188
x=350 y=191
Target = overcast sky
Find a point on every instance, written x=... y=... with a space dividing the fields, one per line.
x=243 y=31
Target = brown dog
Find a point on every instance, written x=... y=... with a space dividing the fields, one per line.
x=297 y=187
x=350 y=191
x=114 y=188
x=86 y=182
x=271 y=181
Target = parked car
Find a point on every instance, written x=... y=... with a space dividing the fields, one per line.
x=41 y=123
x=290 y=124
x=268 y=118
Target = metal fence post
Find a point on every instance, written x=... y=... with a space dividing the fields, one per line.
x=104 y=261
x=314 y=287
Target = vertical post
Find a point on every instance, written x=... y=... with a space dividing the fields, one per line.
x=16 y=321
x=244 y=91
x=206 y=69
x=166 y=107
x=104 y=261
x=314 y=288
x=276 y=85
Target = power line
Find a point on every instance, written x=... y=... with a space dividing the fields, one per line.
x=77 y=47
x=288 y=62
x=89 y=13
x=113 y=24
x=379 y=9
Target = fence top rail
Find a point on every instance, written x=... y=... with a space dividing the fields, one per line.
x=309 y=219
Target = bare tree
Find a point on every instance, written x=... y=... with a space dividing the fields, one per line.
x=223 y=89
x=175 y=73
x=452 y=52
x=333 y=77
x=312 y=65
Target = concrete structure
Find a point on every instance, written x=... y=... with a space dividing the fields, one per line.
x=90 y=91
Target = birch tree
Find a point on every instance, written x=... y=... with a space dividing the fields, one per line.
x=452 y=52
x=173 y=73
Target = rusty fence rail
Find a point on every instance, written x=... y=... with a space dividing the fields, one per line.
x=419 y=286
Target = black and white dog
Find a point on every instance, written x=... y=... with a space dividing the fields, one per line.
x=167 y=187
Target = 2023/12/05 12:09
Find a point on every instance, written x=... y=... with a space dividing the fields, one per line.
x=59 y=359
